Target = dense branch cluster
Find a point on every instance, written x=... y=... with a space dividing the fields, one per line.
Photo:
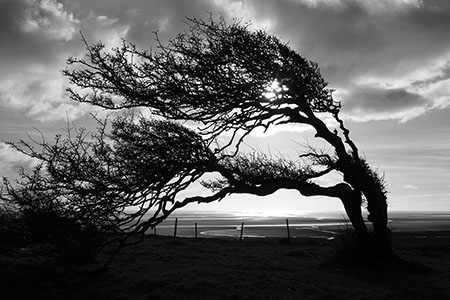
x=97 y=177
x=213 y=73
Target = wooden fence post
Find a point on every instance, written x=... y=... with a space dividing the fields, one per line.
x=195 y=229
x=288 y=233
x=242 y=231
x=175 y=228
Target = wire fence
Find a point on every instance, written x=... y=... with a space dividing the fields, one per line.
x=241 y=231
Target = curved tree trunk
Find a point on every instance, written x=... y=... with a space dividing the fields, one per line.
x=377 y=207
x=350 y=199
x=360 y=181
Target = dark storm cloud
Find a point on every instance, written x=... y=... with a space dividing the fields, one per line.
x=364 y=45
x=366 y=102
x=353 y=39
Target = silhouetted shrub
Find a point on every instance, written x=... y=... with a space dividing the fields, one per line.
x=80 y=246
x=26 y=223
x=48 y=226
x=13 y=231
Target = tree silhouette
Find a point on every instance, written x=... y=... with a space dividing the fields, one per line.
x=109 y=182
x=225 y=80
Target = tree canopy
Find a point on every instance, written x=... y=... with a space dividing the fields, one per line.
x=207 y=88
x=215 y=73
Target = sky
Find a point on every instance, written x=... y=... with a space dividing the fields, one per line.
x=388 y=60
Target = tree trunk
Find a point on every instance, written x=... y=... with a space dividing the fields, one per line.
x=352 y=205
x=350 y=199
x=358 y=182
x=363 y=183
x=377 y=207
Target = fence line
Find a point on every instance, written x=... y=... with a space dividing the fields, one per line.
x=241 y=235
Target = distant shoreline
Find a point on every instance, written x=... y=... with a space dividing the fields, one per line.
x=326 y=226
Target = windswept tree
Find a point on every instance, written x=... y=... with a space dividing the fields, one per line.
x=224 y=80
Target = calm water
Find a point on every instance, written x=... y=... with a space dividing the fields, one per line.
x=324 y=226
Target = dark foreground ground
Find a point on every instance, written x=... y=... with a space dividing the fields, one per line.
x=185 y=268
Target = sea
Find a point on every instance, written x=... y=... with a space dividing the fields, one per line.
x=312 y=225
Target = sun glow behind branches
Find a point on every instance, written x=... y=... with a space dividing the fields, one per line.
x=274 y=90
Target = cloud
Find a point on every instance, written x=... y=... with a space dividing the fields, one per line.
x=273 y=130
x=40 y=94
x=363 y=103
x=391 y=52
x=409 y=187
x=439 y=92
x=34 y=31
x=37 y=36
x=11 y=159
x=424 y=90
x=378 y=44
x=49 y=17
x=372 y=7
x=140 y=17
